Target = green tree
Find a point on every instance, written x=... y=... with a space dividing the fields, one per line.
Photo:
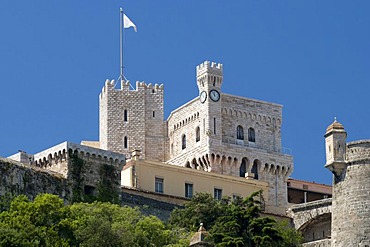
x=35 y=223
x=202 y=208
x=234 y=223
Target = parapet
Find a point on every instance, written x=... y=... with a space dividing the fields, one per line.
x=210 y=67
x=358 y=151
x=60 y=152
x=125 y=87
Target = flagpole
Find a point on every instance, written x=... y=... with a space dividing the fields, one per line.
x=121 y=44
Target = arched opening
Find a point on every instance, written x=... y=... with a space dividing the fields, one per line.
x=197 y=134
x=239 y=133
x=243 y=167
x=255 y=168
x=251 y=135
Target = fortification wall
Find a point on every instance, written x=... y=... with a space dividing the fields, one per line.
x=18 y=178
x=351 y=198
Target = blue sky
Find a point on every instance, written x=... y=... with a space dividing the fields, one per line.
x=312 y=57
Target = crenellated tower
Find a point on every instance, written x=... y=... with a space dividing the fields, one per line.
x=132 y=119
x=231 y=135
x=209 y=81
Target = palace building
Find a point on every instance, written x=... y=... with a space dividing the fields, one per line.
x=221 y=134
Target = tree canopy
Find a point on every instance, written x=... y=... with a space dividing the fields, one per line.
x=235 y=223
x=46 y=221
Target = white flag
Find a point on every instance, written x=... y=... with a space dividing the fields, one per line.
x=127 y=23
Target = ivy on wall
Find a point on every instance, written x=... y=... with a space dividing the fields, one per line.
x=107 y=186
x=77 y=170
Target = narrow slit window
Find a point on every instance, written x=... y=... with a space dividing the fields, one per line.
x=183 y=142
x=197 y=134
x=125 y=115
x=125 y=142
x=214 y=125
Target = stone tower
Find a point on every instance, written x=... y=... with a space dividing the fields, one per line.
x=132 y=119
x=230 y=135
x=209 y=81
x=350 y=165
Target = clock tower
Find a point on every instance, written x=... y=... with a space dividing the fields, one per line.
x=209 y=81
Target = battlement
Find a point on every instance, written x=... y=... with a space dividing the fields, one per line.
x=125 y=87
x=358 y=151
x=140 y=85
x=210 y=67
x=60 y=153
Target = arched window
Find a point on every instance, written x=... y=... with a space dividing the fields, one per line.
x=243 y=168
x=125 y=115
x=125 y=142
x=183 y=141
x=197 y=134
x=239 y=133
x=255 y=169
x=251 y=135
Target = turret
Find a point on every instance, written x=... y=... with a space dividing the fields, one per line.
x=335 y=143
x=209 y=76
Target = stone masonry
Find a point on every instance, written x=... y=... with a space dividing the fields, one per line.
x=350 y=165
x=132 y=119
x=82 y=169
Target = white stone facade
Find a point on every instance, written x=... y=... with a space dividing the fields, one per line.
x=132 y=119
x=217 y=132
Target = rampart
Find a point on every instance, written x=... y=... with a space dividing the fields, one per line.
x=313 y=219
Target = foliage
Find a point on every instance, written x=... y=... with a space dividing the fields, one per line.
x=77 y=170
x=234 y=223
x=48 y=222
x=291 y=236
x=107 y=188
x=202 y=208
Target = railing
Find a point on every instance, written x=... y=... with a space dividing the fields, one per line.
x=244 y=143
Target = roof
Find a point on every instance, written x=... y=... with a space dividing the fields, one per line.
x=335 y=126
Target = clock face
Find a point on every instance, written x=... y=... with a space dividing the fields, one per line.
x=215 y=95
x=203 y=96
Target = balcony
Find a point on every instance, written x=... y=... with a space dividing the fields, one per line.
x=245 y=143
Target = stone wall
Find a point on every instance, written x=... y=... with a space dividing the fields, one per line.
x=17 y=178
x=87 y=170
x=351 y=198
x=263 y=117
x=313 y=220
x=318 y=243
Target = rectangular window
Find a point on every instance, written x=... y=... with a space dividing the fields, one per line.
x=217 y=193
x=159 y=185
x=188 y=190
x=153 y=113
